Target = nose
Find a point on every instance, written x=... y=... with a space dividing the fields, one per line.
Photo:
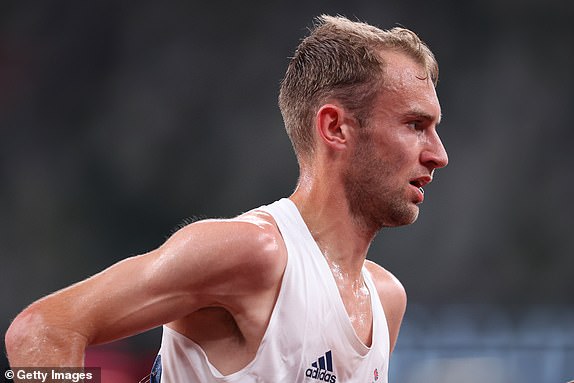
x=434 y=155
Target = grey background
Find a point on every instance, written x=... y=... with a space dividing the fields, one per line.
x=118 y=121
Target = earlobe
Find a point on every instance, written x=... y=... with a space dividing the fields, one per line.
x=330 y=126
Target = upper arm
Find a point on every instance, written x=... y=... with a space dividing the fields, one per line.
x=203 y=264
x=393 y=298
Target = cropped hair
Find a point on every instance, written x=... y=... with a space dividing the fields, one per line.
x=342 y=60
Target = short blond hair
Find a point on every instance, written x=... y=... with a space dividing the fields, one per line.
x=341 y=59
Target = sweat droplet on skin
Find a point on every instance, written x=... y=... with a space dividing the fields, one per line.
x=360 y=311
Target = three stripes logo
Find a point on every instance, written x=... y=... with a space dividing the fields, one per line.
x=322 y=369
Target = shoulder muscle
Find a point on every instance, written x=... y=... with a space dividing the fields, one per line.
x=393 y=298
x=215 y=259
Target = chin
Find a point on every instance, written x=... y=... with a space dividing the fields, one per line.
x=402 y=217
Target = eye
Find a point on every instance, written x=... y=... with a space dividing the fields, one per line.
x=416 y=125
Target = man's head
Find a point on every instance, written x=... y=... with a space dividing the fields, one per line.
x=361 y=110
x=392 y=156
x=341 y=60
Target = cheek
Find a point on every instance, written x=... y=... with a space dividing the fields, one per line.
x=393 y=158
x=404 y=151
x=388 y=155
x=395 y=144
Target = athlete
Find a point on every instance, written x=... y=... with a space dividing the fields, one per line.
x=282 y=293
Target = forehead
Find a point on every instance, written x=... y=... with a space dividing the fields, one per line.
x=407 y=88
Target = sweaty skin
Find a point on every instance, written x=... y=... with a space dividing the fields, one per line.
x=217 y=281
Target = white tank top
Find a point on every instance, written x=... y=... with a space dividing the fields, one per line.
x=309 y=338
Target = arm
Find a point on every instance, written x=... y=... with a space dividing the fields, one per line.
x=209 y=263
x=393 y=297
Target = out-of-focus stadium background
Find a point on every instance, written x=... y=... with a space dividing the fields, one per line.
x=118 y=121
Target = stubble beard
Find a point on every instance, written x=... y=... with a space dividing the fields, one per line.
x=374 y=200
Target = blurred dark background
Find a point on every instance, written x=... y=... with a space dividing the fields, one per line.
x=120 y=120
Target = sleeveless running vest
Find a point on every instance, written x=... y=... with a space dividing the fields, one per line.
x=309 y=338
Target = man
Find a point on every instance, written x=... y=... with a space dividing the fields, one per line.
x=282 y=293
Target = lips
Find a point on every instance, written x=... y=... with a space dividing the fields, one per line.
x=421 y=181
x=418 y=183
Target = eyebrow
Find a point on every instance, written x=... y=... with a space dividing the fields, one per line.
x=417 y=113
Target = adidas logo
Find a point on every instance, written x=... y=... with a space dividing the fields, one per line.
x=322 y=369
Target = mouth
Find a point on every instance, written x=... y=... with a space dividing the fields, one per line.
x=419 y=183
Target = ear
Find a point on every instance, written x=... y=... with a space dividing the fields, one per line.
x=331 y=127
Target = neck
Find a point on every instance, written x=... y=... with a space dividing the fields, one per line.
x=325 y=210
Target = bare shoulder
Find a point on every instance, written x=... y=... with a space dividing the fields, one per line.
x=388 y=286
x=393 y=298
x=247 y=251
x=264 y=245
x=267 y=251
